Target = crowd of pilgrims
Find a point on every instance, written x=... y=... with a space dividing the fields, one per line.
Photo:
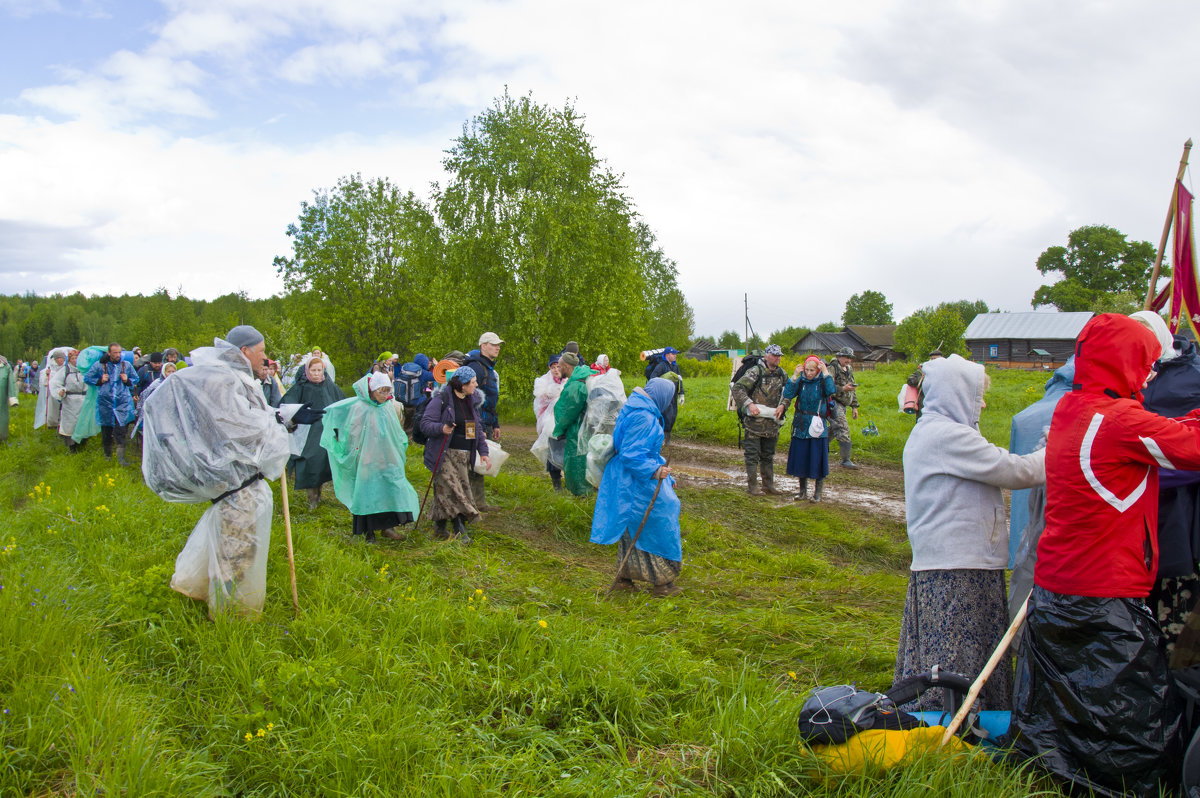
x=1105 y=474
x=449 y=405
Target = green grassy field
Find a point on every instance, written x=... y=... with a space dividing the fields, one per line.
x=423 y=668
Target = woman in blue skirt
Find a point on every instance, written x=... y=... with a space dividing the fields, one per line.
x=808 y=454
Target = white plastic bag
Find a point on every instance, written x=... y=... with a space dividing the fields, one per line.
x=497 y=455
x=600 y=451
x=557 y=452
x=816 y=427
x=606 y=397
x=225 y=559
x=766 y=411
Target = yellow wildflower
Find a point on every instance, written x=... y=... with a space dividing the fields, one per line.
x=262 y=732
x=543 y=624
x=478 y=591
x=791 y=674
x=270 y=726
x=249 y=736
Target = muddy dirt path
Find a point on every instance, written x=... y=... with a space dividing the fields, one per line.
x=876 y=489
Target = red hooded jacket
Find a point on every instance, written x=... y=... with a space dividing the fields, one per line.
x=1102 y=459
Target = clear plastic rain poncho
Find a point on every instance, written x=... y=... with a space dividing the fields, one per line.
x=606 y=397
x=87 y=425
x=546 y=391
x=209 y=436
x=46 y=409
x=367 y=454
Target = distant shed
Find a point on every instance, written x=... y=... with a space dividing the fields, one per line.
x=1024 y=340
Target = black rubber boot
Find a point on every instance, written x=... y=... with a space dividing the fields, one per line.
x=460 y=530
x=439 y=530
x=121 y=456
x=803 y=494
x=845 y=449
x=817 y=493
x=556 y=480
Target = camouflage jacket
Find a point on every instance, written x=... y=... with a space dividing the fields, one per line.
x=843 y=376
x=764 y=386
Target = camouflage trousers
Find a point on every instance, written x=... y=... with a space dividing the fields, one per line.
x=760 y=454
x=839 y=427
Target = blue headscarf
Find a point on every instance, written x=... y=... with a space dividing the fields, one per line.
x=464 y=374
x=662 y=392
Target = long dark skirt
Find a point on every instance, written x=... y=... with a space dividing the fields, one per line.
x=452 y=488
x=808 y=458
x=954 y=619
x=642 y=566
x=370 y=524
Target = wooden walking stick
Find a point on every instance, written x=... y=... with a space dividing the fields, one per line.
x=429 y=487
x=973 y=693
x=287 y=531
x=645 y=517
x=1162 y=242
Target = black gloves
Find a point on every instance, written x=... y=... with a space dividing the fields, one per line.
x=306 y=415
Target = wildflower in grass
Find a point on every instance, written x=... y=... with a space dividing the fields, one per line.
x=262 y=733
x=383 y=572
x=478 y=591
x=270 y=726
x=249 y=736
x=9 y=547
x=791 y=675
x=542 y=624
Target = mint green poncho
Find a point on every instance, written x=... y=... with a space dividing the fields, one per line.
x=367 y=453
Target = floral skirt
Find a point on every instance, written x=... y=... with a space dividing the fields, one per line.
x=452 y=487
x=642 y=566
x=955 y=619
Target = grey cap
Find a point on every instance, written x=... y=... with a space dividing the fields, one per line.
x=244 y=335
x=845 y=351
x=774 y=349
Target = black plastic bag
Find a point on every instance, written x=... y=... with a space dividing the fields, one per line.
x=1094 y=701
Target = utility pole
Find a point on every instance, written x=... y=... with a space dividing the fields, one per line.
x=746 y=319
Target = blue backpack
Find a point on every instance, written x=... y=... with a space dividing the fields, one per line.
x=406 y=386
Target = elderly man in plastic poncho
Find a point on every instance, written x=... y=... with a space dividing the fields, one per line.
x=210 y=436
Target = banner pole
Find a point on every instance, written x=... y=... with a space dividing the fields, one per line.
x=1162 y=242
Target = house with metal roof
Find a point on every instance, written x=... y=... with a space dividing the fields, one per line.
x=1022 y=340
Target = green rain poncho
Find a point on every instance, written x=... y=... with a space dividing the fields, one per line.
x=8 y=391
x=367 y=453
x=568 y=415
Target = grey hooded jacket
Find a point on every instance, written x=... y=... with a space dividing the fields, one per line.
x=953 y=475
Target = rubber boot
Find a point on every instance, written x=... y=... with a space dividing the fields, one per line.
x=477 y=495
x=752 y=481
x=845 y=449
x=108 y=450
x=803 y=494
x=314 y=497
x=460 y=530
x=439 y=530
x=817 y=492
x=556 y=480
x=121 y=455
x=768 y=478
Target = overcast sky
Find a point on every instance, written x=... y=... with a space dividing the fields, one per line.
x=796 y=151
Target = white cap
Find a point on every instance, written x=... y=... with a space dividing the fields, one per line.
x=378 y=380
x=490 y=338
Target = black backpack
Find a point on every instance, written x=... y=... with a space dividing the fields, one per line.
x=832 y=715
x=418 y=436
x=651 y=362
x=748 y=362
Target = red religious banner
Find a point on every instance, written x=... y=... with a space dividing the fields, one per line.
x=1185 y=293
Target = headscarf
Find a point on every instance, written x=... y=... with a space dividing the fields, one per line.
x=464 y=374
x=1154 y=322
x=378 y=380
x=662 y=392
x=813 y=358
x=602 y=361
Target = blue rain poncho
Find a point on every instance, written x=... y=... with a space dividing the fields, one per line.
x=629 y=483
x=367 y=453
x=1028 y=427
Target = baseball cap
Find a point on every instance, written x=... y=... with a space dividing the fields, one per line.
x=670 y=350
x=775 y=349
x=490 y=338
